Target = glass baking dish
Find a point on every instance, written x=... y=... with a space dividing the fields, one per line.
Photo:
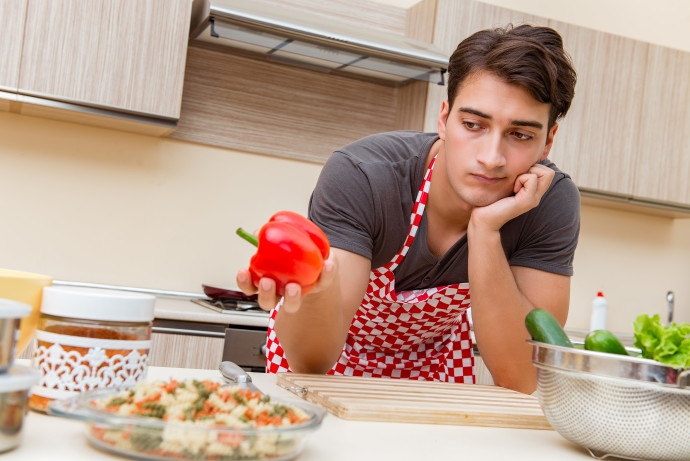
x=153 y=438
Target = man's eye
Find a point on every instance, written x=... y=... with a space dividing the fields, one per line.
x=522 y=136
x=471 y=125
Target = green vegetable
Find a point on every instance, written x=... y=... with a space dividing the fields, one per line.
x=156 y=410
x=668 y=344
x=146 y=439
x=604 y=341
x=544 y=327
x=117 y=401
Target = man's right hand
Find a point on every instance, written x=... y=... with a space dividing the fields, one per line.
x=268 y=298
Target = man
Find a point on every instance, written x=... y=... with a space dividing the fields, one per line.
x=416 y=219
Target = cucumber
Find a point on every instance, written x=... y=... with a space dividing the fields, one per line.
x=604 y=341
x=544 y=327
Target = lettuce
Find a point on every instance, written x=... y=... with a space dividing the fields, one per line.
x=668 y=344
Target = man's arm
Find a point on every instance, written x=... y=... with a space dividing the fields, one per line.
x=503 y=295
x=312 y=329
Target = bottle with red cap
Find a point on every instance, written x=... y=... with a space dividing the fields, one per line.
x=599 y=308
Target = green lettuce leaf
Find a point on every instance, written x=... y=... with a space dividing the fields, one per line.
x=668 y=344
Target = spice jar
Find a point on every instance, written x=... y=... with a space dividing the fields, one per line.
x=89 y=338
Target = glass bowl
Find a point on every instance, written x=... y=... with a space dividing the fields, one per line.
x=153 y=438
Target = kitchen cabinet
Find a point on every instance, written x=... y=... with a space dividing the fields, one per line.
x=597 y=140
x=623 y=139
x=12 y=13
x=104 y=60
x=664 y=166
x=186 y=351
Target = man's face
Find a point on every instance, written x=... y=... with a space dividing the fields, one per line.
x=494 y=132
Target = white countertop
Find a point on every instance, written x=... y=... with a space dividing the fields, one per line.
x=53 y=438
x=183 y=309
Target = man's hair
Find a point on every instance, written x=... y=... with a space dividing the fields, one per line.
x=530 y=56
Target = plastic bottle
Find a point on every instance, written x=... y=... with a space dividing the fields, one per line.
x=598 y=318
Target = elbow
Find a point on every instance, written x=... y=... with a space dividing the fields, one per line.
x=517 y=378
x=311 y=368
x=519 y=385
x=313 y=364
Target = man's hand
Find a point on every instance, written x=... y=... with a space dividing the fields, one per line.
x=529 y=188
x=268 y=298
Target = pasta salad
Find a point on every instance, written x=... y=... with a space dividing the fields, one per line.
x=200 y=420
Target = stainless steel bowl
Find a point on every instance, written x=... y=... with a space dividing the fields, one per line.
x=14 y=397
x=615 y=405
x=11 y=313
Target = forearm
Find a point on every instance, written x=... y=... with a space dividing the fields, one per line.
x=313 y=336
x=312 y=329
x=498 y=312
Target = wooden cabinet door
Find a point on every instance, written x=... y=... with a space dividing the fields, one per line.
x=125 y=55
x=597 y=141
x=663 y=169
x=12 y=13
x=186 y=351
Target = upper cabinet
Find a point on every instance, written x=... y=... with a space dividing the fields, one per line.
x=12 y=13
x=664 y=167
x=623 y=139
x=118 y=59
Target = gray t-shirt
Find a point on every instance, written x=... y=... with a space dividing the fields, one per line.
x=365 y=195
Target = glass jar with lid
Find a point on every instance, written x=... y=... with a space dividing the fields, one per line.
x=89 y=338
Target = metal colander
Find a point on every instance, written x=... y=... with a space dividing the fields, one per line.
x=615 y=405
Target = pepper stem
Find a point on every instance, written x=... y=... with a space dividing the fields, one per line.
x=247 y=236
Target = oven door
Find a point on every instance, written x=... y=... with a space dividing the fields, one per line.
x=246 y=346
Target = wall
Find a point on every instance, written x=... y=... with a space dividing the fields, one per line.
x=97 y=205
x=103 y=206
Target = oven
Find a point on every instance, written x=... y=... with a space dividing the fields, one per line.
x=245 y=338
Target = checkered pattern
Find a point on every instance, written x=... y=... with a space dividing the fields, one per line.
x=418 y=334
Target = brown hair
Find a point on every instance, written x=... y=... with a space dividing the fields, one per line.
x=530 y=56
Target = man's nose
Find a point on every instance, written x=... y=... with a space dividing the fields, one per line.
x=492 y=153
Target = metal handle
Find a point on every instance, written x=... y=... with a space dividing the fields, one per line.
x=684 y=379
x=234 y=373
x=670 y=298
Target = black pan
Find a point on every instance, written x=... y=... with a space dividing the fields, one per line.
x=218 y=293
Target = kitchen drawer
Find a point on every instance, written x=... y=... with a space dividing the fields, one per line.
x=186 y=344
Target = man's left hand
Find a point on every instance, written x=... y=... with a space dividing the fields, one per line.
x=529 y=189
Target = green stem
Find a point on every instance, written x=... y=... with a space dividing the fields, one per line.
x=247 y=236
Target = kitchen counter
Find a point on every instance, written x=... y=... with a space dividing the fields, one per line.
x=178 y=306
x=183 y=309
x=49 y=437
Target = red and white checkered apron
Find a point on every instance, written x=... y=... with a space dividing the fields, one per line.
x=418 y=334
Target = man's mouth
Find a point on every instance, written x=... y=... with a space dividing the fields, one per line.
x=484 y=179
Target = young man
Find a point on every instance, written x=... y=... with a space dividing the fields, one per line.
x=417 y=221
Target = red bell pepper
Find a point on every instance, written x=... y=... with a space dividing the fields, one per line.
x=291 y=249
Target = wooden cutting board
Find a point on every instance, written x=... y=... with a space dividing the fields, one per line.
x=402 y=400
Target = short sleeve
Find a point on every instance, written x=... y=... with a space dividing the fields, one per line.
x=342 y=206
x=547 y=236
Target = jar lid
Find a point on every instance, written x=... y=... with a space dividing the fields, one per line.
x=10 y=309
x=97 y=304
x=18 y=378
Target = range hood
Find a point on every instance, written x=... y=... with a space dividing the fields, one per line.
x=308 y=41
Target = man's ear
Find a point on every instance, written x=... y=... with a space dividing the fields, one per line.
x=442 y=119
x=549 y=141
